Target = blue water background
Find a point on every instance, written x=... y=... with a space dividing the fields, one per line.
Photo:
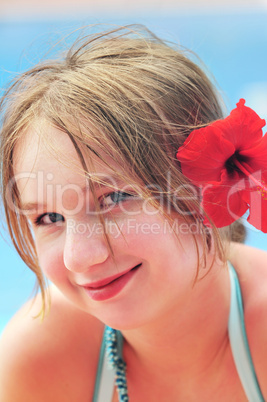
x=232 y=46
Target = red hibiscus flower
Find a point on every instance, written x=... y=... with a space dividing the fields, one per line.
x=228 y=161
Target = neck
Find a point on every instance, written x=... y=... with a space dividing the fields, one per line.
x=192 y=336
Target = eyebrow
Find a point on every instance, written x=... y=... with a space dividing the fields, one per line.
x=31 y=206
x=104 y=181
x=107 y=181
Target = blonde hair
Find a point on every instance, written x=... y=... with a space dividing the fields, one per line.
x=142 y=95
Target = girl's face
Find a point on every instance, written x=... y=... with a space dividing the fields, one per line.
x=149 y=271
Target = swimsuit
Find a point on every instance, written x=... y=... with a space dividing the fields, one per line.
x=239 y=342
x=104 y=386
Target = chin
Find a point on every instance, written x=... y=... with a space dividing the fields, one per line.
x=123 y=320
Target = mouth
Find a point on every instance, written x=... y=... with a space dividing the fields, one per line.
x=107 y=281
x=109 y=287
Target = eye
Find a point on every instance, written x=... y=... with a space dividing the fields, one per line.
x=114 y=198
x=49 y=218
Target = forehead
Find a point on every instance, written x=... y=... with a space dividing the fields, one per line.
x=34 y=151
x=48 y=170
x=50 y=159
x=53 y=149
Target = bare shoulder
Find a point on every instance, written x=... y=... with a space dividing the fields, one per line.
x=251 y=265
x=53 y=359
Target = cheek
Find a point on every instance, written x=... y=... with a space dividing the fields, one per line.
x=51 y=263
x=147 y=230
x=136 y=234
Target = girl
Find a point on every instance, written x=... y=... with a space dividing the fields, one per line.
x=121 y=184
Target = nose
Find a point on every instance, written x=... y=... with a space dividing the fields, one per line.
x=84 y=249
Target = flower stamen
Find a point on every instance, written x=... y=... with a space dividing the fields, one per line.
x=232 y=163
x=261 y=188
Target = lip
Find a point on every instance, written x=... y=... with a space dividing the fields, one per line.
x=109 y=287
x=106 y=281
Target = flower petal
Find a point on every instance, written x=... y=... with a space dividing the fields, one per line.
x=257 y=200
x=224 y=202
x=204 y=154
x=243 y=126
x=256 y=156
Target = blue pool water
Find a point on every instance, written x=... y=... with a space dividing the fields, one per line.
x=233 y=47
